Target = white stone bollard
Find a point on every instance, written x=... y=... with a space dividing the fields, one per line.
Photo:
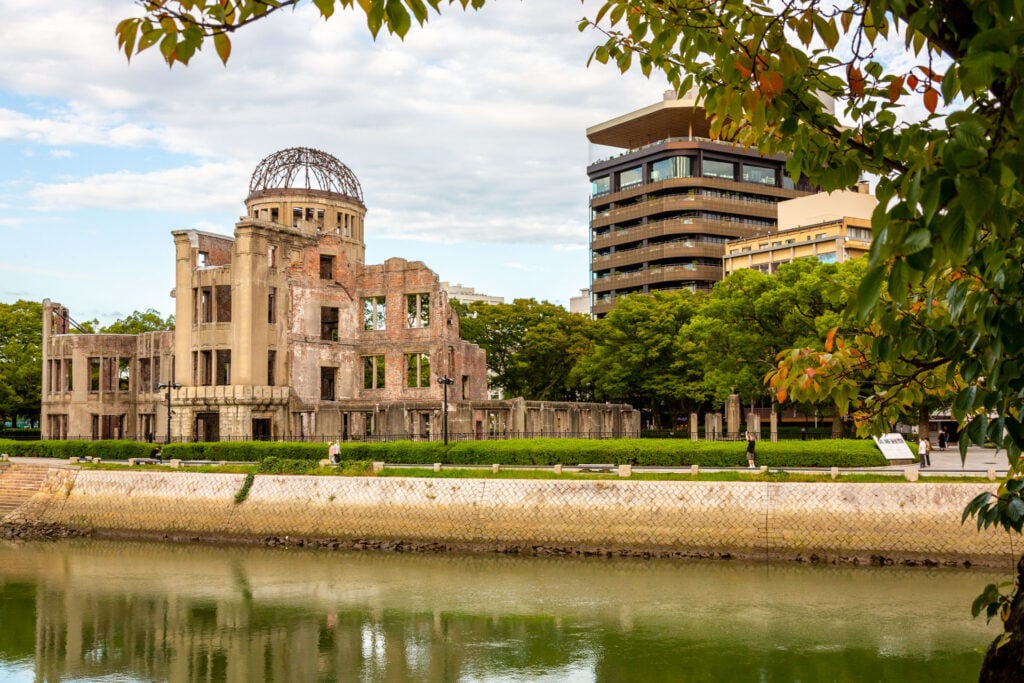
x=557 y=469
x=991 y=475
x=625 y=471
x=4 y=457
x=175 y=463
x=694 y=470
x=495 y=468
x=835 y=472
x=72 y=461
x=911 y=473
x=437 y=467
x=378 y=466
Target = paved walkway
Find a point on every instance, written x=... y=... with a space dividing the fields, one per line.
x=944 y=463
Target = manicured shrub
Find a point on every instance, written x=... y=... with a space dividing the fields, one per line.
x=642 y=452
x=274 y=465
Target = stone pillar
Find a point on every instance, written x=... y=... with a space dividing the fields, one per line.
x=754 y=424
x=732 y=415
x=775 y=426
x=693 y=426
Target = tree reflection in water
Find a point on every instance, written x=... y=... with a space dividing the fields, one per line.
x=87 y=609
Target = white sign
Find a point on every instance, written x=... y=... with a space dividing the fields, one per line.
x=893 y=447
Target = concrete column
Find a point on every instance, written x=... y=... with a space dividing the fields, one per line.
x=775 y=426
x=693 y=426
x=732 y=415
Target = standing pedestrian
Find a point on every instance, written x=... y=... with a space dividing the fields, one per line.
x=334 y=452
x=942 y=439
x=924 y=449
x=751 y=444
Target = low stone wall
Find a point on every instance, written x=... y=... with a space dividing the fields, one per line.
x=902 y=523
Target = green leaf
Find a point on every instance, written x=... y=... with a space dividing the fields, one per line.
x=399 y=21
x=223 y=46
x=870 y=289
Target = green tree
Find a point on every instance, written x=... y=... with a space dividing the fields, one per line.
x=531 y=346
x=21 y=360
x=750 y=316
x=139 y=322
x=950 y=218
x=636 y=357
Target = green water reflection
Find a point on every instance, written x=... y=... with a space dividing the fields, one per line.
x=98 y=610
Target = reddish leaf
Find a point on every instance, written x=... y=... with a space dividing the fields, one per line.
x=912 y=82
x=855 y=79
x=895 y=89
x=931 y=99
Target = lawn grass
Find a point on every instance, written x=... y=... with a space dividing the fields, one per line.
x=450 y=472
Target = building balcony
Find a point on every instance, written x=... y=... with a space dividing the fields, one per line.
x=639 y=189
x=673 y=203
x=657 y=252
x=607 y=302
x=656 y=276
x=676 y=226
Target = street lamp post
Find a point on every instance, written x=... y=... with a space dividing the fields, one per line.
x=168 y=386
x=445 y=382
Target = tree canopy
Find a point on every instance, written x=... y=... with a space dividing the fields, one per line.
x=21 y=360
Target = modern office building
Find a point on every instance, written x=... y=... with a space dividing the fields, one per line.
x=666 y=198
x=830 y=227
x=283 y=332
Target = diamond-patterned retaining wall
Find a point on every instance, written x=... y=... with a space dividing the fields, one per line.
x=829 y=521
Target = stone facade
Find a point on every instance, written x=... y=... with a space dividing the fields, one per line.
x=843 y=522
x=283 y=332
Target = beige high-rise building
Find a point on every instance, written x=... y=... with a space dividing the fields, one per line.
x=283 y=332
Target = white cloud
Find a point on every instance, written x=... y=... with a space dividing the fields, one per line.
x=188 y=188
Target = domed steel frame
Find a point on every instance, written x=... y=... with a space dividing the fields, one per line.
x=304 y=168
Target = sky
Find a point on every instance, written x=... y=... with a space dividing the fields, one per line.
x=468 y=139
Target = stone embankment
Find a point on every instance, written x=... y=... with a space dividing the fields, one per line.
x=883 y=524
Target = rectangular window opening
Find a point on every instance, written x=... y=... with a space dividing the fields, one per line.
x=223 y=297
x=373 y=372
x=417 y=370
x=418 y=310
x=328 y=323
x=374 y=313
x=326 y=267
x=327 y=377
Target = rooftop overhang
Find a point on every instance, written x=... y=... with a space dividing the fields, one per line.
x=670 y=118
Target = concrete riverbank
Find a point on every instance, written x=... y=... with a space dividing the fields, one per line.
x=883 y=523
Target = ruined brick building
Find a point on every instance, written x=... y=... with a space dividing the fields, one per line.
x=283 y=332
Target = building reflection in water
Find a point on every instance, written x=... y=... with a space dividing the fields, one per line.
x=135 y=611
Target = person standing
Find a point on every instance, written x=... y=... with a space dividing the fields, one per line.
x=334 y=452
x=924 y=449
x=942 y=439
x=751 y=444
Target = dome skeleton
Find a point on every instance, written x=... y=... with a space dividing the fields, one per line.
x=305 y=168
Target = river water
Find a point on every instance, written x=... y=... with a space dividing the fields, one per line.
x=92 y=610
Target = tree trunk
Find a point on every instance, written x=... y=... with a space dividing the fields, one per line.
x=923 y=431
x=1005 y=663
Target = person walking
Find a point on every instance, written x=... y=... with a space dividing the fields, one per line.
x=924 y=449
x=334 y=453
x=751 y=444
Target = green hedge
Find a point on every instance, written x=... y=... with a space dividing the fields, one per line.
x=651 y=452
x=234 y=451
